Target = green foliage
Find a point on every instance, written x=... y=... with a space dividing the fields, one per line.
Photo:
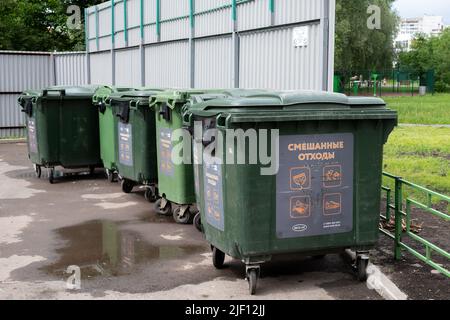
x=358 y=47
x=430 y=53
x=40 y=25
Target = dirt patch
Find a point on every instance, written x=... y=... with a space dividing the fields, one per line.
x=414 y=277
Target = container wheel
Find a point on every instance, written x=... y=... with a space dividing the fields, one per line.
x=361 y=268
x=38 y=171
x=218 y=258
x=110 y=175
x=150 y=194
x=319 y=256
x=252 y=278
x=166 y=211
x=51 y=176
x=180 y=218
x=198 y=222
x=127 y=186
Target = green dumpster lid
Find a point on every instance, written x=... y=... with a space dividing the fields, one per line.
x=263 y=105
x=143 y=96
x=103 y=92
x=70 y=91
x=174 y=96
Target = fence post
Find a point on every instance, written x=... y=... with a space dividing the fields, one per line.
x=192 y=43
x=235 y=44
x=398 y=217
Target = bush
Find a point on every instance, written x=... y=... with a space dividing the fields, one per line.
x=441 y=86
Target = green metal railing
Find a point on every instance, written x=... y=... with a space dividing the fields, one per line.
x=402 y=209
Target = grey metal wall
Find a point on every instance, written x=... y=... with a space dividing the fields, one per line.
x=212 y=43
x=21 y=71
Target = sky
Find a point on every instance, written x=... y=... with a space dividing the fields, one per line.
x=418 y=8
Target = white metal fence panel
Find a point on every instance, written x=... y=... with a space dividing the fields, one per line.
x=128 y=68
x=292 y=11
x=19 y=71
x=254 y=14
x=213 y=23
x=171 y=9
x=70 y=69
x=269 y=60
x=213 y=63
x=204 y=5
x=11 y=118
x=167 y=65
x=101 y=68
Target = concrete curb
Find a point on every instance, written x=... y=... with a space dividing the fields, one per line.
x=9 y=141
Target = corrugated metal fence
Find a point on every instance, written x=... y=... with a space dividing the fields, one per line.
x=21 y=71
x=273 y=44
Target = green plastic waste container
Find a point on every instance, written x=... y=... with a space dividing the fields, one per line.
x=325 y=195
x=62 y=128
x=175 y=180
x=108 y=128
x=135 y=141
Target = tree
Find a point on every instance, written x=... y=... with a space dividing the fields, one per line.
x=358 y=47
x=430 y=53
x=40 y=25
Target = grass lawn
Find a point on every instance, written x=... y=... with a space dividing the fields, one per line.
x=420 y=155
x=422 y=110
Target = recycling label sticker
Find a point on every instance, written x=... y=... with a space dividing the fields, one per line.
x=166 y=165
x=315 y=185
x=213 y=196
x=32 y=136
x=125 y=144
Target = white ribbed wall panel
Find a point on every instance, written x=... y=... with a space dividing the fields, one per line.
x=213 y=23
x=104 y=28
x=254 y=14
x=213 y=63
x=203 y=5
x=269 y=60
x=174 y=8
x=10 y=114
x=101 y=68
x=149 y=11
x=22 y=71
x=70 y=69
x=174 y=30
x=292 y=11
x=167 y=65
x=128 y=67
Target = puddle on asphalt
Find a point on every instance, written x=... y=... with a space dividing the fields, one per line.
x=104 y=249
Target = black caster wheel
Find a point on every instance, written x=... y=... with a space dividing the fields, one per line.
x=150 y=194
x=110 y=175
x=218 y=258
x=180 y=218
x=252 y=279
x=198 y=222
x=51 y=176
x=127 y=186
x=166 y=211
x=361 y=268
x=38 y=171
x=319 y=256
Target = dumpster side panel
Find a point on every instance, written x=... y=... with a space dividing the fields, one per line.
x=47 y=131
x=176 y=182
x=143 y=168
x=108 y=130
x=79 y=141
x=250 y=206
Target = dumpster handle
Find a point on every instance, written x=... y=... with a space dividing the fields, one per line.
x=136 y=104
x=222 y=122
x=62 y=92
